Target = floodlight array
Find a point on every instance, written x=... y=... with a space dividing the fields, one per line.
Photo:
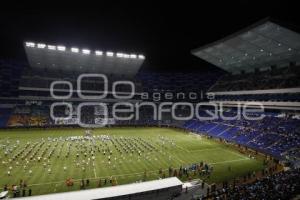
x=41 y=46
x=51 y=47
x=84 y=51
x=74 y=50
x=109 y=54
x=98 y=53
x=61 y=48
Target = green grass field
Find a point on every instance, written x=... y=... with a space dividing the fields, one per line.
x=20 y=151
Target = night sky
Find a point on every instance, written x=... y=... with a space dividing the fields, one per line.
x=164 y=32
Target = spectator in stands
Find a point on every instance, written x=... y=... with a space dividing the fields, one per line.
x=283 y=185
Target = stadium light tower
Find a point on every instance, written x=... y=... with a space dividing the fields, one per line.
x=133 y=56
x=41 y=46
x=86 y=51
x=30 y=44
x=123 y=63
x=110 y=54
x=98 y=53
x=51 y=47
x=142 y=57
x=120 y=55
x=74 y=50
x=61 y=48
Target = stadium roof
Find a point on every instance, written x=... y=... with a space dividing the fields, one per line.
x=260 y=45
x=42 y=55
x=110 y=192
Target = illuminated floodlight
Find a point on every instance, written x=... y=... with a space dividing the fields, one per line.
x=120 y=55
x=126 y=56
x=51 y=47
x=98 y=53
x=61 y=48
x=74 y=50
x=30 y=44
x=141 y=56
x=86 y=51
x=41 y=46
x=133 y=56
x=110 y=54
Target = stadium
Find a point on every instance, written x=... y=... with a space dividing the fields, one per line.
x=79 y=122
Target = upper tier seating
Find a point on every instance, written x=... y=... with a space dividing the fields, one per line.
x=287 y=77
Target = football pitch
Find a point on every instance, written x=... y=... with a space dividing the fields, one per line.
x=45 y=158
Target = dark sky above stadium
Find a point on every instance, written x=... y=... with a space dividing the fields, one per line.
x=164 y=32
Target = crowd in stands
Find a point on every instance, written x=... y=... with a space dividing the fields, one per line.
x=177 y=82
x=27 y=116
x=26 y=121
x=283 y=97
x=39 y=116
x=286 y=77
x=282 y=185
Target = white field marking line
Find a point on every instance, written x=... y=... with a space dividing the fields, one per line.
x=163 y=160
x=239 y=155
x=179 y=147
x=94 y=170
x=181 y=161
x=177 y=158
x=131 y=174
x=197 y=135
x=201 y=136
x=229 y=161
x=208 y=149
